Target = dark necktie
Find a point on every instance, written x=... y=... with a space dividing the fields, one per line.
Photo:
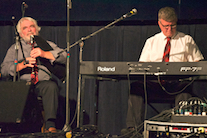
x=167 y=51
x=34 y=74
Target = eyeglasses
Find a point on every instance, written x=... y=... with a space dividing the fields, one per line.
x=167 y=26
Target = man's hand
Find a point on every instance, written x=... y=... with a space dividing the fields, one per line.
x=30 y=62
x=37 y=52
x=24 y=64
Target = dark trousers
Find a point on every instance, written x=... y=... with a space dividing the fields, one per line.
x=48 y=90
x=136 y=98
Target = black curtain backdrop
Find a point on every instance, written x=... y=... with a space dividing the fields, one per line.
x=100 y=10
x=118 y=43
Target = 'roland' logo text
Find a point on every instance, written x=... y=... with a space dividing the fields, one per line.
x=107 y=69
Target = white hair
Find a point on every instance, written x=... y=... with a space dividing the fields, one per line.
x=30 y=19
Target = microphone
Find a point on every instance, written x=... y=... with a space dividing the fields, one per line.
x=130 y=13
x=31 y=39
x=24 y=5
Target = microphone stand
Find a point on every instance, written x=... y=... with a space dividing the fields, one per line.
x=16 y=57
x=67 y=126
x=16 y=50
x=80 y=42
x=23 y=8
x=17 y=43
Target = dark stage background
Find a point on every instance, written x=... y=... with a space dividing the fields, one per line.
x=121 y=42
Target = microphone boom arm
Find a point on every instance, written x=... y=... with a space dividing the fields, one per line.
x=103 y=28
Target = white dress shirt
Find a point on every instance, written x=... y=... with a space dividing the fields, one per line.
x=183 y=49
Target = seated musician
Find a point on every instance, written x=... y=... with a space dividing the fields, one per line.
x=34 y=62
x=167 y=46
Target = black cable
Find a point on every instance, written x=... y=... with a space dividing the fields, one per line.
x=145 y=92
x=130 y=103
x=174 y=93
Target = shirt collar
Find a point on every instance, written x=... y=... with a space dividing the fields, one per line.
x=27 y=43
x=164 y=37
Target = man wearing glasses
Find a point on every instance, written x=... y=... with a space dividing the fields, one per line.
x=167 y=46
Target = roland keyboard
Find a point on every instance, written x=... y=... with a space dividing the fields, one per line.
x=100 y=68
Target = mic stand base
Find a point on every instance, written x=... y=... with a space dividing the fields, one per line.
x=66 y=128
